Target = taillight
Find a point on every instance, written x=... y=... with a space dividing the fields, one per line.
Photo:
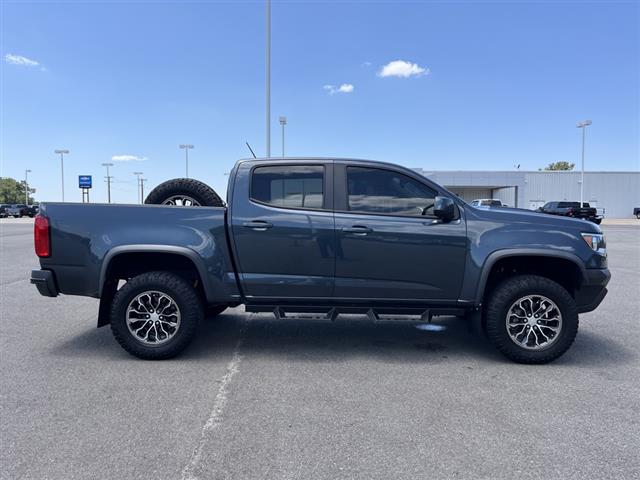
x=41 y=236
x=570 y=212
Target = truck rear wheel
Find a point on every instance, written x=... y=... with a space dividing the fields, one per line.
x=531 y=319
x=154 y=315
x=184 y=192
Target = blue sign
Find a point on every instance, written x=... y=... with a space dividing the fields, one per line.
x=84 y=181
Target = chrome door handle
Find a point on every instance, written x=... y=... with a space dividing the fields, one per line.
x=258 y=225
x=360 y=230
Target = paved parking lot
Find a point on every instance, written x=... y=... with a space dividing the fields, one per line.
x=257 y=398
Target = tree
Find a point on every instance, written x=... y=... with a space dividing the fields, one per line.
x=560 y=166
x=12 y=191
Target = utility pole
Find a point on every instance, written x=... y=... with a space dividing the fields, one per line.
x=26 y=187
x=142 y=180
x=283 y=122
x=108 y=177
x=137 y=174
x=583 y=125
x=62 y=154
x=186 y=148
x=268 y=72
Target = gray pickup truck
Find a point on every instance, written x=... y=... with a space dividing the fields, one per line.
x=322 y=236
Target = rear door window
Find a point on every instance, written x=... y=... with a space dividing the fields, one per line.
x=289 y=186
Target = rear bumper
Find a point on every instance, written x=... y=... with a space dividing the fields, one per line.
x=44 y=282
x=593 y=290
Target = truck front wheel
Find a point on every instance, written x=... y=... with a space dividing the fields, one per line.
x=154 y=315
x=531 y=319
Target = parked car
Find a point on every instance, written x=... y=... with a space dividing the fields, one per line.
x=325 y=236
x=599 y=213
x=636 y=212
x=488 y=202
x=18 y=210
x=570 y=209
x=4 y=210
x=32 y=210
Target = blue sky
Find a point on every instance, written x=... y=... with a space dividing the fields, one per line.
x=490 y=85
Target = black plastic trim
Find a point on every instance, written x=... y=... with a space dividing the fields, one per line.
x=44 y=281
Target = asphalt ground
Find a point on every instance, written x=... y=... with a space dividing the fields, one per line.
x=258 y=398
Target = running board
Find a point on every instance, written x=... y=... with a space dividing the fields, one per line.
x=375 y=314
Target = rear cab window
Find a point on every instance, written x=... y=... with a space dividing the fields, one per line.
x=289 y=186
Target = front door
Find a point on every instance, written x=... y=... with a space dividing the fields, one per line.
x=390 y=246
x=283 y=230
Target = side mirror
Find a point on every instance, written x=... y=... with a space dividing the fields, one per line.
x=444 y=209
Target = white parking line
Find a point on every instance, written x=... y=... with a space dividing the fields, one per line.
x=189 y=471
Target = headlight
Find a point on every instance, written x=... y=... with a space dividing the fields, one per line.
x=596 y=242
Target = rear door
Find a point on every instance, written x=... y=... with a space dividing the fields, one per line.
x=283 y=229
x=390 y=246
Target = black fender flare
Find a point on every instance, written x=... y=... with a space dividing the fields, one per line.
x=522 y=252
x=149 y=248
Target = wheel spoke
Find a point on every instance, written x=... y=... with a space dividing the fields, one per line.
x=144 y=320
x=534 y=322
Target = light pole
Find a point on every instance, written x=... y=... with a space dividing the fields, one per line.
x=283 y=122
x=268 y=72
x=108 y=177
x=142 y=180
x=583 y=125
x=26 y=186
x=62 y=153
x=186 y=148
x=137 y=174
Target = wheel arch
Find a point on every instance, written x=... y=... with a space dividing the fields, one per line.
x=107 y=287
x=526 y=255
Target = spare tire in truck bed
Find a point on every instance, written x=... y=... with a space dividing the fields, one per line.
x=184 y=192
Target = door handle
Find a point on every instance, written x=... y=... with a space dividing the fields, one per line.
x=357 y=230
x=258 y=225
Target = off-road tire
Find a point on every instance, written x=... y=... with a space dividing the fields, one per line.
x=510 y=290
x=200 y=192
x=185 y=296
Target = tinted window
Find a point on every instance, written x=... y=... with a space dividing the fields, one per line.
x=289 y=186
x=568 y=204
x=373 y=190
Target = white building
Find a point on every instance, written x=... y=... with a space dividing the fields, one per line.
x=617 y=192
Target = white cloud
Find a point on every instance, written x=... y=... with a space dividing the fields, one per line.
x=20 y=60
x=344 y=88
x=127 y=158
x=366 y=64
x=401 y=68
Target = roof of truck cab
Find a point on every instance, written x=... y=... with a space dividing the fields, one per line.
x=320 y=159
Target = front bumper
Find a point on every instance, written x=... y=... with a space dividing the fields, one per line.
x=593 y=289
x=45 y=282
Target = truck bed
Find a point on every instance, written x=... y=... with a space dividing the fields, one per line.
x=85 y=236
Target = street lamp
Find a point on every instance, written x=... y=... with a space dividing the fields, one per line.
x=186 y=148
x=137 y=174
x=142 y=180
x=283 y=122
x=108 y=177
x=26 y=187
x=583 y=125
x=62 y=153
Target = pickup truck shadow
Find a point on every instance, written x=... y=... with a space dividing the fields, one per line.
x=393 y=341
x=303 y=340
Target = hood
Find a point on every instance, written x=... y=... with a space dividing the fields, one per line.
x=521 y=215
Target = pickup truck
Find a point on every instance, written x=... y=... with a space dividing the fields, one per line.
x=571 y=209
x=322 y=236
